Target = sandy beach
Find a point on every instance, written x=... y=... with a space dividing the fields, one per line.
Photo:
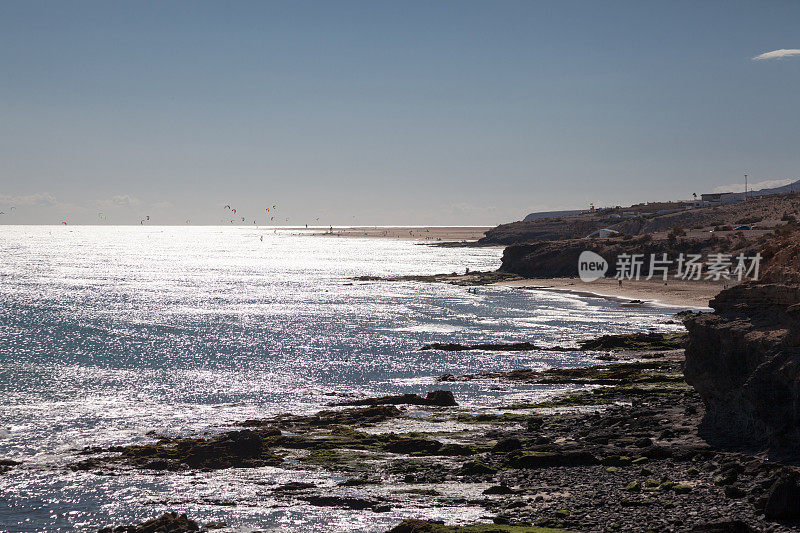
x=417 y=233
x=679 y=293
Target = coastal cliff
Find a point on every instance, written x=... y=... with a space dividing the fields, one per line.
x=744 y=358
x=556 y=259
x=643 y=219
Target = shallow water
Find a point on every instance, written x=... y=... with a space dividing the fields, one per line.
x=107 y=333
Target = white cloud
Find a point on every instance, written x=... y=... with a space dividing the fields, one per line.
x=778 y=54
x=37 y=200
x=767 y=184
x=120 y=200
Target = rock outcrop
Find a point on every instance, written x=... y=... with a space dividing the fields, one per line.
x=437 y=398
x=559 y=259
x=234 y=449
x=744 y=359
x=167 y=523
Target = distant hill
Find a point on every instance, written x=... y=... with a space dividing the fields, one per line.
x=551 y=214
x=792 y=187
x=771 y=210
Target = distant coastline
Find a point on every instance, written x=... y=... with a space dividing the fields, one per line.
x=459 y=234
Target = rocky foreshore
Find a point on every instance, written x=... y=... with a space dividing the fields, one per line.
x=697 y=432
x=622 y=452
x=635 y=341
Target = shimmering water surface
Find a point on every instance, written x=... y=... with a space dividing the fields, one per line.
x=108 y=333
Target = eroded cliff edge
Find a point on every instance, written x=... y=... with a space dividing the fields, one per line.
x=744 y=358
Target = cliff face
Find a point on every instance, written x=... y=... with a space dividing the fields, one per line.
x=744 y=359
x=554 y=259
x=543 y=259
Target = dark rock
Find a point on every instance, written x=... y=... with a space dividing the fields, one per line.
x=634 y=486
x=499 y=489
x=245 y=448
x=438 y=398
x=344 y=417
x=666 y=434
x=411 y=445
x=7 y=464
x=455 y=449
x=731 y=526
x=441 y=398
x=728 y=477
x=636 y=341
x=550 y=459
x=734 y=492
x=783 y=500
x=559 y=258
x=237 y=448
x=616 y=460
x=535 y=423
x=166 y=523
x=356 y=504
x=476 y=468
x=507 y=445
x=687 y=452
x=87 y=464
x=753 y=467
x=294 y=486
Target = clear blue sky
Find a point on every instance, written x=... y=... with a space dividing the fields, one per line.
x=374 y=112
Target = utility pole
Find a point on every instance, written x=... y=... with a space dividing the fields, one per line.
x=745 y=187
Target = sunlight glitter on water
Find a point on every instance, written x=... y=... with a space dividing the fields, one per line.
x=108 y=333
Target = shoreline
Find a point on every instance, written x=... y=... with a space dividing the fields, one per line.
x=618 y=443
x=673 y=294
x=693 y=295
x=437 y=234
x=622 y=447
x=677 y=294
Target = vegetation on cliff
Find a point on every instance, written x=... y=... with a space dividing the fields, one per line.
x=766 y=212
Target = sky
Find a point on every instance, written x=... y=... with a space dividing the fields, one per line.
x=376 y=112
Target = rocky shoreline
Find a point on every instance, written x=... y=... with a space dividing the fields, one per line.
x=621 y=453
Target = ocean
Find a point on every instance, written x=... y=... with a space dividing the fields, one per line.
x=108 y=334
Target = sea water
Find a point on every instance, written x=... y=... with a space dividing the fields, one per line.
x=109 y=333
